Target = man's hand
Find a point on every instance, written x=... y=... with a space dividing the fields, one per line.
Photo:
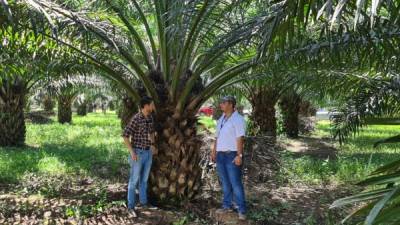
x=134 y=156
x=129 y=146
x=214 y=152
x=238 y=161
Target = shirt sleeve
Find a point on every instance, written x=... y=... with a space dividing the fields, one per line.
x=240 y=127
x=129 y=129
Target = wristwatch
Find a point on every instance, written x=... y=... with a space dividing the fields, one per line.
x=240 y=155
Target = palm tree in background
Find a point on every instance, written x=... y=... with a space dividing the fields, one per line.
x=373 y=96
x=66 y=89
x=263 y=91
x=18 y=77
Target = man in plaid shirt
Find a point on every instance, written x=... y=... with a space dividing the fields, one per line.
x=139 y=138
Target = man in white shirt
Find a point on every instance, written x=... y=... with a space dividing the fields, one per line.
x=228 y=153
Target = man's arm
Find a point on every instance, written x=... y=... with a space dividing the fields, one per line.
x=128 y=132
x=240 y=130
x=214 y=151
x=239 y=157
x=240 y=145
x=130 y=149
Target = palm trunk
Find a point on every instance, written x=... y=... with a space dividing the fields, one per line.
x=82 y=109
x=307 y=113
x=176 y=173
x=48 y=103
x=90 y=107
x=307 y=109
x=263 y=102
x=12 y=121
x=127 y=110
x=290 y=107
x=65 y=108
x=112 y=105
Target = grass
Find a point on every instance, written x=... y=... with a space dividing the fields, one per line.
x=90 y=143
x=356 y=159
x=92 y=146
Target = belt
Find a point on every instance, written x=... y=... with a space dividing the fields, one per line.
x=145 y=149
x=225 y=152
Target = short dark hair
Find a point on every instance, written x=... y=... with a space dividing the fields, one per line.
x=145 y=101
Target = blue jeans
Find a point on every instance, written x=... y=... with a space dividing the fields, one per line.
x=230 y=176
x=139 y=173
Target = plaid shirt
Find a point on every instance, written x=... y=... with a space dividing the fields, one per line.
x=140 y=128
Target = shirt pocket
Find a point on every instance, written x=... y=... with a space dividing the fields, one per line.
x=230 y=126
x=141 y=128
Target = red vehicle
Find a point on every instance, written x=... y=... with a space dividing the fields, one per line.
x=206 y=111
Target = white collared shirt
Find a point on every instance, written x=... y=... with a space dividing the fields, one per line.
x=228 y=130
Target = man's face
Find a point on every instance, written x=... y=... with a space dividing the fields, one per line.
x=150 y=107
x=225 y=105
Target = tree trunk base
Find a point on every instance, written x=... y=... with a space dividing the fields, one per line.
x=82 y=109
x=12 y=120
x=176 y=174
x=290 y=106
x=64 y=109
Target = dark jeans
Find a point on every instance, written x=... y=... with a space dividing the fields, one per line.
x=139 y=173
x=230 y=176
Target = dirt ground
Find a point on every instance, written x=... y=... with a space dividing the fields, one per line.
x=82 y=201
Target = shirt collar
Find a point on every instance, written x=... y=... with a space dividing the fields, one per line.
x=233 y=114
x=142 y=115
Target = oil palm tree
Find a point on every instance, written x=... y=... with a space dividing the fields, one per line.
x=102 y=90
x=263 y=90
x=66 y=89
x=17 y=78
x=48 y=103
x=44 y=99
x=376 y=96
x=363 y=78
x=290 y=107
x=81 y=105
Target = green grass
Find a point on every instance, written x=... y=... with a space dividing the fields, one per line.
x=356 y=159
x=90 y=143
x=93 y=143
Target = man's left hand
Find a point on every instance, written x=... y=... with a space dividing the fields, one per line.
x=238 y=161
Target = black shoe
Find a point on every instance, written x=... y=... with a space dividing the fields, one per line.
x=235 y=208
